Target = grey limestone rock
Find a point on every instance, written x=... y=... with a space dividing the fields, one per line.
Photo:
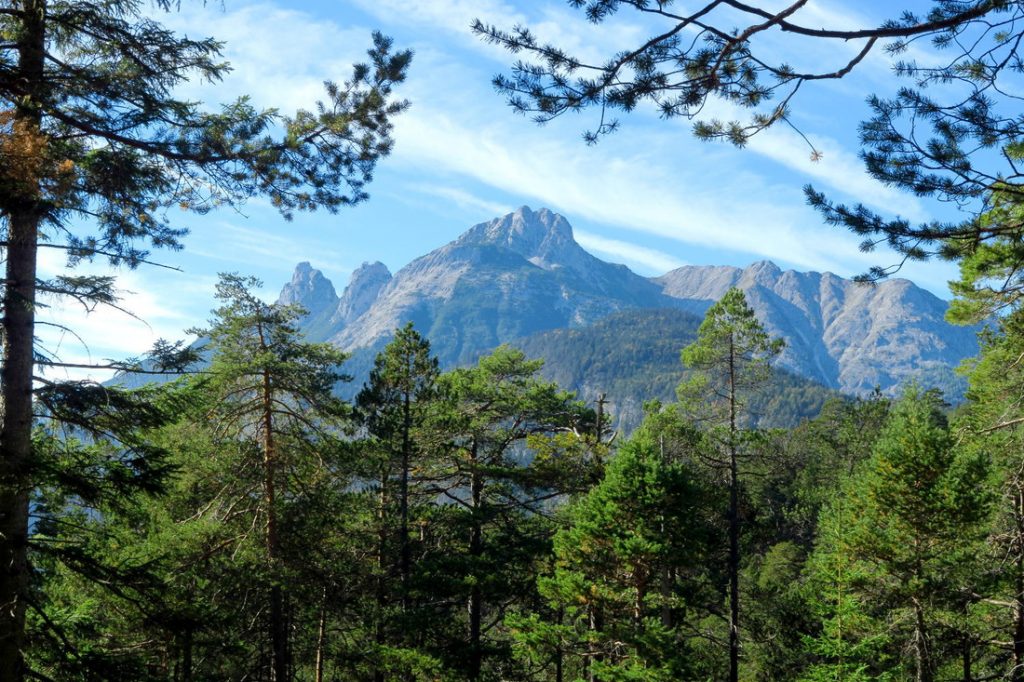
x=363 y=288
x=310 y=289
x=524 y=273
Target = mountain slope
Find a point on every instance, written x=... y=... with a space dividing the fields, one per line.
x=523 y=274
x=504 y=279
x=841 y=333
x=634 y=356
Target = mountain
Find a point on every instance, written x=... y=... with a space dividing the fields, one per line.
x=844 y=334
x=501 y=280
x=362 y=290
x=523 y=278
x=633 y=356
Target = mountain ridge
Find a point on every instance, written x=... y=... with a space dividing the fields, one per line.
x=523 y=274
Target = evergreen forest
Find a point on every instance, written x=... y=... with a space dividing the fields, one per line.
x=482 y=524
x=246 y=523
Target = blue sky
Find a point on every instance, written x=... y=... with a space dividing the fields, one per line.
x=649 y=196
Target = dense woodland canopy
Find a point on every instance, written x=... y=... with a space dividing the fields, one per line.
x=482 y=524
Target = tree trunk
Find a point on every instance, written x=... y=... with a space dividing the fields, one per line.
x=186 y=656
x=922 y=659
x=966 y=660
x=321 y=639
x=381 y=587
x=596 y=625
x=667 y=582
x=559 y=655
x=734 y=526
x=405 y=560
x=278 y=624
x=1017 y=673
x=476 y=550
x=18 y=326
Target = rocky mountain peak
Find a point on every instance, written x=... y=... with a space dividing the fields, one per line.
x=309 y=288
x=543 y=237
x=363 y=288
x=762 y=270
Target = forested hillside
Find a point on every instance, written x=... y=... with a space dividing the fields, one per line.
x=484 y=524
x=633 y=356
x=512 y=461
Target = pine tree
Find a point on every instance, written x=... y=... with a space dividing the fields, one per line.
x=901 y=544
x=393 y=406
x=731 y=359
x=954 y=145
x=275 y=392
x=993 y=422
x=481 y=428
x=91 y=133
x=625 y=553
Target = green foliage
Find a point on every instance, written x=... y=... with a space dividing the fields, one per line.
x=633 y=356
x=731 y=357
x=619 y=574
x=96 y=152
x=480 y=524
x=897 y=553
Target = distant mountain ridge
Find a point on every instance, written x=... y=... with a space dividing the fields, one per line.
x=523 y=274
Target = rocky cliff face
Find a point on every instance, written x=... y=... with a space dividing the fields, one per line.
x=361 y=293
x=841 y=333
x=507 y=278
x=523 y=273
x=310 y=289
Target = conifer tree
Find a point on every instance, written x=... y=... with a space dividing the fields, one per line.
x=993 y=422
x=908 y=529
x=96 y=149
x=949 y=144
x=393 y=406
x=482 y=424
x=274 y=392
x=731 y=359
x=626 y=551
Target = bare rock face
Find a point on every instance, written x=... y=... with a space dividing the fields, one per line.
x=500 y=280
x=524 y=273
x=363 y=288
x=310 y=289
x=841 y=333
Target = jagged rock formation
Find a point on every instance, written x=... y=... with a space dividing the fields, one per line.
x=523 y=273
x=309 y=288
x=504 y=279
x=843 y=334
x=362 y=290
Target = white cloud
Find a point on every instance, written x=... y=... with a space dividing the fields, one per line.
x=279 y=57
x=464 y=200
x=566 y=28
x=688 y=202
x=152 y=305
x=243 y=246
x=650 y=260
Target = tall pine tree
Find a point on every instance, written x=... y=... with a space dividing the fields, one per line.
x=731 y=359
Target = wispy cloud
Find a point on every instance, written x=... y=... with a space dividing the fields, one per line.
x=151 y=305
x=464 y=200
x=649 y=261
x=240 y=246
x=691 y=203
